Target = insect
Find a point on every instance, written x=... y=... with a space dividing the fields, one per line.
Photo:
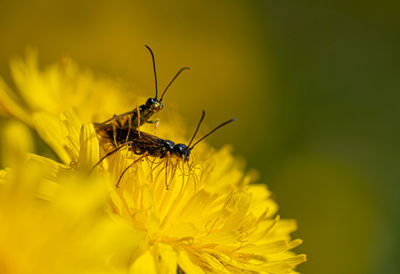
x=149 y=145
x=141 y=114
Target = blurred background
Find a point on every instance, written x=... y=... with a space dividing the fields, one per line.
x=314 y=87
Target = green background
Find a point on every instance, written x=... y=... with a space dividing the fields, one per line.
x=314 y=86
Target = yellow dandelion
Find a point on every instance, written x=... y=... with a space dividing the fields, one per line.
x=212 y=218
x=52 y=226
x=196 y=226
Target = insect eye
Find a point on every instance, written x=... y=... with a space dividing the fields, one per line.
x=150 y=101
x=157 y=106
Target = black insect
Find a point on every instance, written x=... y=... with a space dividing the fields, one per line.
x=145 y=144
x=140 y=115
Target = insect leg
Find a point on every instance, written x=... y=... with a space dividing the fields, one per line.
x=129 y=129
x=109 y=154
x=190 y=169
x=138 y=118
x=114 y=127
x=115 y=117
x=166 y=171
x=108 y=120
x=183 y=176
x=155 y=121
x=126 y=169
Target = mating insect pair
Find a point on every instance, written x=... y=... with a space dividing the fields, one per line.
x=123 y=130
x=149 y=145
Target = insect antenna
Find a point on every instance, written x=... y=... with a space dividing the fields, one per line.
x=198 y=126
x=154 y=68
x=173 y=79
x=212 y=131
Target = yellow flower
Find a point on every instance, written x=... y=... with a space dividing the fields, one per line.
x=210 y=219
x=52 y=226
x=200 y=225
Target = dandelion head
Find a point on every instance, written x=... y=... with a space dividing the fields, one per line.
x=200 y=216
x=203 y=214
x=54 y=221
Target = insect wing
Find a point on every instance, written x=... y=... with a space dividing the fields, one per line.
x=144 y=140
